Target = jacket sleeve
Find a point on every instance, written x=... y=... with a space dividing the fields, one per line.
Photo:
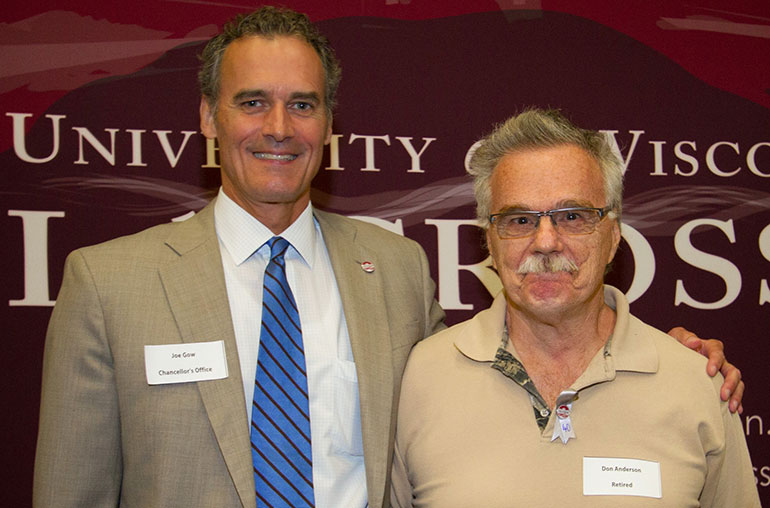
x=78 y=459
x=435 y=314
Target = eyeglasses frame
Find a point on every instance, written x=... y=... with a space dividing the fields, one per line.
x=603 y=212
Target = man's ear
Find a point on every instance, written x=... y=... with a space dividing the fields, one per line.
x=615 y=239
x=328 y=137
x=489 y=248
x=208 y=126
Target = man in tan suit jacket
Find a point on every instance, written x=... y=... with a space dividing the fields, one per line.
x=107 y=437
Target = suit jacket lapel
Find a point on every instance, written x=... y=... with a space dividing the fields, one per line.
x=195 y=288
x=364 y=304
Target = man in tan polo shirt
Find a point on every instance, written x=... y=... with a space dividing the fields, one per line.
x=556 y=395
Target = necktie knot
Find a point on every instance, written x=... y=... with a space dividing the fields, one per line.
x=278 y=246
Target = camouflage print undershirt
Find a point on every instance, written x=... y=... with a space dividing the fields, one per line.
x=506 y=363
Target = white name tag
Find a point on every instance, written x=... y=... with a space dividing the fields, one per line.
x=621 y=477
x=185 y=363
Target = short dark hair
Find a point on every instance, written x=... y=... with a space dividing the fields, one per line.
x=268 y=22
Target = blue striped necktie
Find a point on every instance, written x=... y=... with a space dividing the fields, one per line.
x=280 y=423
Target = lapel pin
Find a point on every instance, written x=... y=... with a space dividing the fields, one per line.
x=562 y=427
x=367 y=266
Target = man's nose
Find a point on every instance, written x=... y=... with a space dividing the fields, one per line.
x=278 y=124
x=547 y=237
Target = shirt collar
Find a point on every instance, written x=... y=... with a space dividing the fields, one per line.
x=485 y=330
x=629 y=349
x=242 y=235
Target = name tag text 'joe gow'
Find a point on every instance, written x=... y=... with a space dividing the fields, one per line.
x=185 y=363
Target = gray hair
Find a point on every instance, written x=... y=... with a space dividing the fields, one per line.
x=537 y=128
x=268 y=22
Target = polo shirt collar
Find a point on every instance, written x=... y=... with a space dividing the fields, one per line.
x=484 y=332
x=629 y=350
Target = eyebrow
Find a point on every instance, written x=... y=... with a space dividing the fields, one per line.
x=248 y=94
x=308 y=96
x=567 y=203
x=244 y=95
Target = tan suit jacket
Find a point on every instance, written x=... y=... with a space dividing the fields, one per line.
x=107 y=438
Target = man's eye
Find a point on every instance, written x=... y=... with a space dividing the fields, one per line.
x=571 y=216
x=520 y=219
x=303 y=106
x=252 y=103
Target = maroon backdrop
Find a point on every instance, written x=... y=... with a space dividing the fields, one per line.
x=99 y=137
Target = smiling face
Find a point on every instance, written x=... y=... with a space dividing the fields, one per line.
x=544 y=179
x=271 y=124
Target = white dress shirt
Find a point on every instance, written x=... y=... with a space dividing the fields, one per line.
x=339 y=477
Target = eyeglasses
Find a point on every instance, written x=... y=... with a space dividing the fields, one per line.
x=570 y=221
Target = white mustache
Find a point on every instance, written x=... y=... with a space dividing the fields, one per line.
x=539 y=263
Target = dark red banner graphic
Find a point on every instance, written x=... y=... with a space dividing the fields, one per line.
x=100 y=138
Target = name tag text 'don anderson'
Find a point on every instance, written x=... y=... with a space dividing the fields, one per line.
x=604 y=476
x=185 y=363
